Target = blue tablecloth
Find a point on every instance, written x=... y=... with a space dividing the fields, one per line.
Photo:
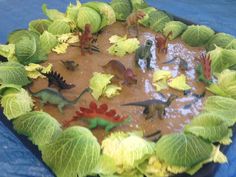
x=15 y=159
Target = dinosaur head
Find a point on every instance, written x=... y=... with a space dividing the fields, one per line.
x=87 y=28
x=140 y=14
x=149 y=43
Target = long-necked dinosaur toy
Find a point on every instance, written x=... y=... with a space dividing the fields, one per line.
x=52 y=96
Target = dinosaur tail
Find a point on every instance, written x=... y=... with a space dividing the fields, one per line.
x=81 y=94
x=142 y=104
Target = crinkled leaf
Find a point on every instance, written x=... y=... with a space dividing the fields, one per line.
x=146 y=20
x=211 y=127
x=8 y=51
x=226 y=84
x=121 y=45
x=16 y=103
x=112 y=90
x=222 y=106
x=176 y=27
x=138 y=4
x=222 y=59
x=60 y=48
x=59 y=27
x=68 y=38
x=222 y=40
x=129 y=151
x=33 y=70
x=75 y=152
x=160 y=78
x=13 y=73
x=122 y=8
x=179 y=83
x=105 y=10
x=98 y=83
x=48 y=41
x=90 y=16
x=52 y=14
x=197 y=35
x=158 y=20
x=184 y=150
x=39 y=127
x=39 y=26
x=105 y=166
x=28 y=49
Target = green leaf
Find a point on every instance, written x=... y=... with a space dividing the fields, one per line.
x=98 y=83
x=39 y=127
x=183 y=150
x=16 y=103
x=122 y=8
x=59 y=27
x=28 y=49
x=197 y=35
x=210 y=127
x=158 y=20
x=8 y=51
x=74 y=153
x=146 y=20
x=106 y=166
x=39 y=26
x=17 y=35
x=138 y=4
x=222 y=106
x=73 y=10
x=90 y=16
x=226 y=84
x=105 y=10
x=52 y=14
x=179 y=83
x=6 y=87
x=176 y=27
x=13 y=73
x=222 y=59
x=222 y=40
x=48 y=41
x=129 y=151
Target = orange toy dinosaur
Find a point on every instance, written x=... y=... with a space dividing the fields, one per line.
x=132 y=20
x=86 y=39
x=161 y=42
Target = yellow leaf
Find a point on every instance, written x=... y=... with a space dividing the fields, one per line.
x=112 y=90
x=160 y=78
x=179 y=83
x=60 y=48
x=32 y=72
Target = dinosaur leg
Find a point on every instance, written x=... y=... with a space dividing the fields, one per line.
x=151 y=112
x=42 y=103
x=161 y=113
x=60 y=107
x=149 y=62
x=109 y=127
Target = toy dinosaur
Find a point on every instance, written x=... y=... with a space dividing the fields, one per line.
x=117 y=69
x=183 y=65
x=155 y=136
x=52 y=96
x=143 y=53
x=153 y=106
x=99 y=116
x=132 y=20
x=56 y=79
x=161 y=42
x=204 y=69
x=86 y=39
x=70 y=65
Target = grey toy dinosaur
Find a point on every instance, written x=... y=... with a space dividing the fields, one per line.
x=144 y=53
x=151 y=107
x=52 y=96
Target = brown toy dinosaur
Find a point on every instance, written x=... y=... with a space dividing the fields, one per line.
x=86 y=39
x=132 y=20
x=161 y=42
x=151 y=107
x=117 y=69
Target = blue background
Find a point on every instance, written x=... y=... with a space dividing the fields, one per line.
x=15 y=159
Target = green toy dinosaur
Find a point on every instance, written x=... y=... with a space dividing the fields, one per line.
x=52 y=96
x=99 y=116
x=143 y=53
x=153 y=106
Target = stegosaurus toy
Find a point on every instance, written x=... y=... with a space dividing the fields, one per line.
x=99 y=116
